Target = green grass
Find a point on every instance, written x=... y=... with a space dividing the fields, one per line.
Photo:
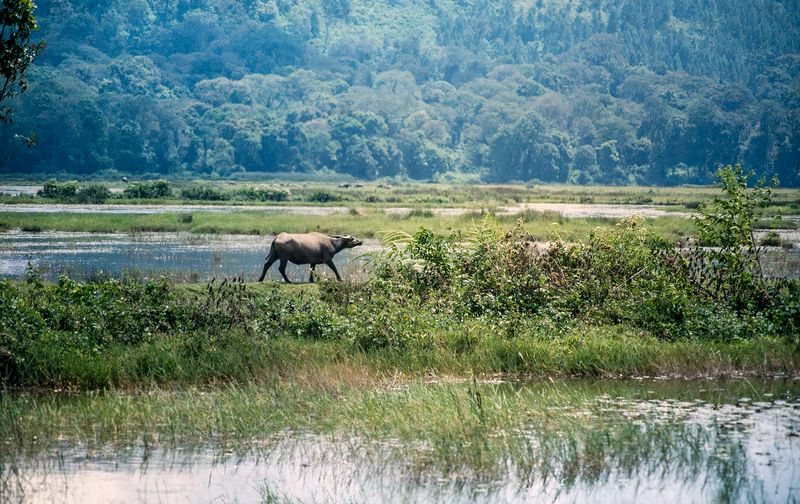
x=475 y=196
x=610 y=351
x=572 y=432
x=365 y=223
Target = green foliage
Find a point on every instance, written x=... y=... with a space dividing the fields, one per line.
x=157 y=189
x=323 y=196
x=204 y=193
x=727 y=221
x=263 y=194
x=771 y=239
x=17 y=51
x=59 y=190
x=45 y=328
x=72 y=192
x=607 y=92
x=94 y=194
x=731 y=268
x=621 y=275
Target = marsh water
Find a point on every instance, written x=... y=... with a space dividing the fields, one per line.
x=189 y=257
x=184 y=257
x=612 y=441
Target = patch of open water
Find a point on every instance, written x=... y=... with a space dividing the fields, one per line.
x=189 y=257
x=700 y=441
x=184 y=257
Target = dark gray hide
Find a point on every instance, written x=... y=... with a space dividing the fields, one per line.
x=307 y=248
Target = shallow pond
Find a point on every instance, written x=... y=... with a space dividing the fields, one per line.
x=184 y=257
x=189 y=257
x=568 y=441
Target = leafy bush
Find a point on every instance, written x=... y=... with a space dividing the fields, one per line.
x=323 y=196
x=93 y=193
x=90 y=320
x=302 y=317
x=59 y=190
x=204 y=193
x=731 y=270
x=623 y=274
x=771 y=239
x=73 y=192
x=263 y=194
x=157 y=189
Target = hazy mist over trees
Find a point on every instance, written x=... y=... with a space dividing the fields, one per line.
x=594 y=91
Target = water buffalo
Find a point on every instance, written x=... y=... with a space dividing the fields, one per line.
x=307 y=248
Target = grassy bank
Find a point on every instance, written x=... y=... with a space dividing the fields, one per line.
x=361 y=222
x=186 y=360
x=427 y=194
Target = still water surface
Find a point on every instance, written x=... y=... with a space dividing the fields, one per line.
x=685 y=441
x=184 y=257
x=188 y=257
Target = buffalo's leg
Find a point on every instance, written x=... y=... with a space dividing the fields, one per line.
x=282 y=269
x=311 y=276
x=332 y=266
x=271 y=258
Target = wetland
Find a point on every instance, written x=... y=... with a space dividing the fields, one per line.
x=442 y=441
x=621 y=358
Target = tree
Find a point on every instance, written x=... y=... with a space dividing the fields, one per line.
x=17 y=52
x=726 y=225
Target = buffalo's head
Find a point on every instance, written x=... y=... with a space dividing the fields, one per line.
x=350 y=241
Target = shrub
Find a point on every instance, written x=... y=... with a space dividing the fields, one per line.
x=302 y=317
x=59 y=190
x=73 y=192
x=157 y=189
x=93 y=193
x=204 y=193
x=263 y=194
x=323 y=196
x=771 y=239
x=731 y=270
x=623 y=274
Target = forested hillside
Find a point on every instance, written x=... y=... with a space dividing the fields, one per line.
x=587 y=91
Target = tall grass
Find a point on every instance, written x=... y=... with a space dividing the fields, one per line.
x=365 y=222
x=570 y=432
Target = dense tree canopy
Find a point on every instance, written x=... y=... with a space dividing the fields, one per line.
x=585 y=91
x=17 y=52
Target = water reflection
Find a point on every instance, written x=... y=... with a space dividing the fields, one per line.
x=184 y=257
x=650 y=441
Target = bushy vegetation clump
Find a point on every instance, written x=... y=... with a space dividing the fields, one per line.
x=263 y=194
x=72 y=192
x=204 y=193
x=70 y=333
x=156 y=189
x=323 y=196
x=59 y=190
